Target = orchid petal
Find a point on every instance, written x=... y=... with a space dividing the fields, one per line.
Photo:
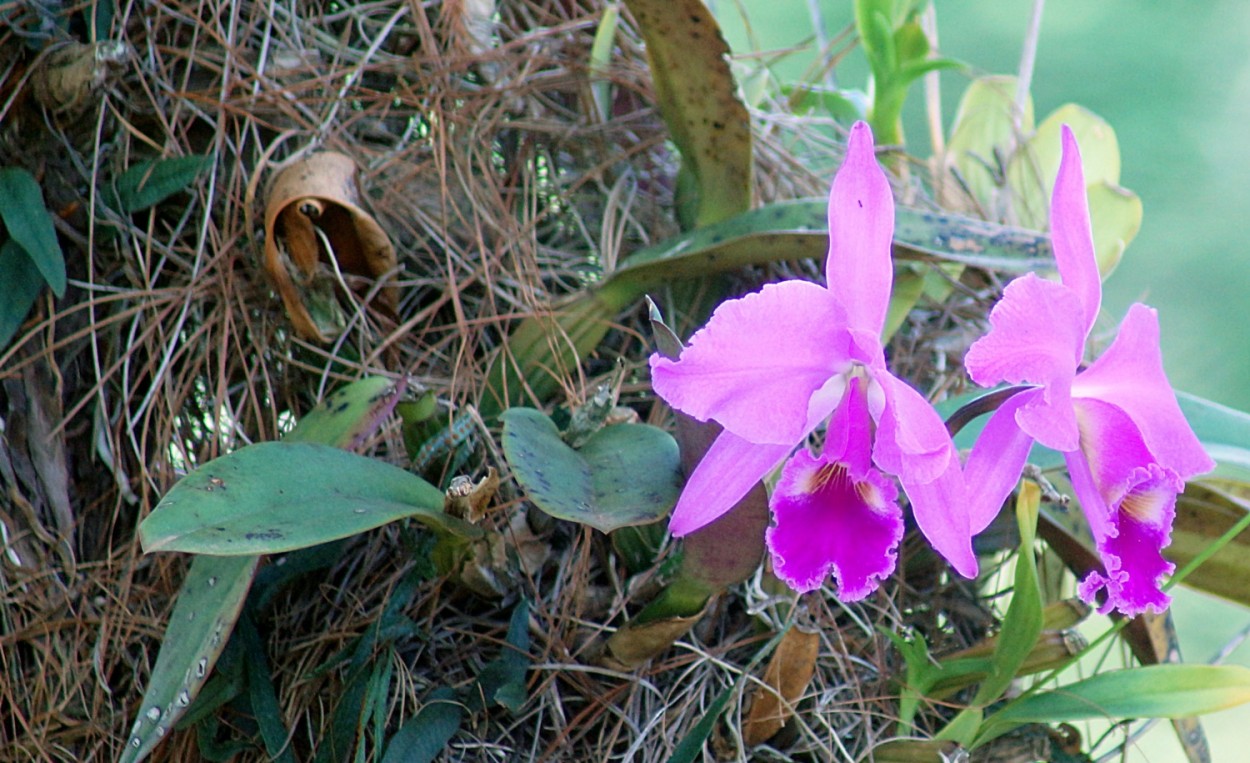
x=1070 y=233
x=1111 y=444
x=1097 y=511
x=836 y=514
x=728 y=471
x=861 y=230
x=997 y=459
x=1037 y=335
x=757 y=363
x=1130 y=376
x=940 y=509
x=912 y=441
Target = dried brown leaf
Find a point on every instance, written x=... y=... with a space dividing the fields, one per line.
x=786 y=678
x=312 y=215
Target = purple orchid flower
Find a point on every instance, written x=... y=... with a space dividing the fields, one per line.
x=1126 y=443
x=773 y=365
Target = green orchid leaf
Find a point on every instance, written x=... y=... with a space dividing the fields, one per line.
x=600 y=56
x=841 y=105
x=1224 y=432
x=1100 y=150
x=423 y=737
x=21 y=286
x=911 y=43
x=262 y=696
x=698 y=98
x=29 y=224
x=150 y=182
x=350 y=414
x=690 y=748
x=909 y=72
x=799 y=229
x=216 y=587
x=1023 y=623
x=208 y=606
x=1154 y=691
x=502 y=680
x=627 y=474
x=909 y=285
x=547 y=347
x=984 y=130
x=279 y=496
x=1031 y=172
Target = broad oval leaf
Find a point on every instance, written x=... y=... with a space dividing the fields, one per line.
x=278 y=496
x=627 y=474
x=216 y=587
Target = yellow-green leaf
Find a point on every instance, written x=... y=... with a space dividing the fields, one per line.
x=1031 y=172
x=698 y=98
x=985 y=129
x=1155 y=691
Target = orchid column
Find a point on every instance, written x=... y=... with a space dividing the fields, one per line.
x=771 y=367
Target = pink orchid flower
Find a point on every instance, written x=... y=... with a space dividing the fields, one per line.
x=772 y=366
x=1126 y=443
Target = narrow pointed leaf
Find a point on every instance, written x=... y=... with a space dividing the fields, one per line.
x=690 y=748
x=1023 y=623
x=1155 y=691
x=22 y=284
x=30 y=225
x=426 y=734
x=698 y=98
x=209 y=602
x=152 y=181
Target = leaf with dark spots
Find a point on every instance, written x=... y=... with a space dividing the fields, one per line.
x=305 y=493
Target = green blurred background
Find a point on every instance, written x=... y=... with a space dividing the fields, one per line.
x=1173 y=80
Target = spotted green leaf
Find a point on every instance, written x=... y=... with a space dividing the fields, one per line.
x=698 y=98
x=215 y=588
x=280 y=496
x=208 y=606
